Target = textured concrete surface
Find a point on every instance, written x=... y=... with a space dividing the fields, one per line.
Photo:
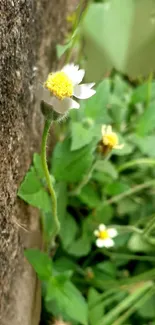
x=29 y=31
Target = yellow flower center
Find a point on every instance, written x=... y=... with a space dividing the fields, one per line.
x=59 y=85
x=103 y=234
x=110 y=140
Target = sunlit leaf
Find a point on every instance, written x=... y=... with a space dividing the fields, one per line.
x=40 y=262
x=129 y=49
x=70 y=165
x=67 y=299
x=32 y=191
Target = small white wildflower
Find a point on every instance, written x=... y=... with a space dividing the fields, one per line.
x=110 y=138
x=104 y=236
x=61 y=86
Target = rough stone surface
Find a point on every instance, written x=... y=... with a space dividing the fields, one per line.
x=30 y=29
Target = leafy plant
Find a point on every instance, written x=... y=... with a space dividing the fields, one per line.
x=98 y=186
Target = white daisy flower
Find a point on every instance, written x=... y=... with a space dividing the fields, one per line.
x=110 y=138
x=104 y=236
x=60 y=88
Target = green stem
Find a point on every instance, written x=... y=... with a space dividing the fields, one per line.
x=125 y=304
x=103 y=296
x=84 y=181
x=133 y=163
x=148 y=275
x=128 y=229
x=78 y=15
x=136 y=305
x=87 y=178
x=150 y=226
x=129 y=192
x=47 y=176
x=122 y=256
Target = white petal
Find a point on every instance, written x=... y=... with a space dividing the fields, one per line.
x=44 y=94
x=62 y=106
x=109 y=129
x=108 y=242
x=103 y=129
x=92 y=84
x=83 y=91
x=100 y=242
x=78 y=77
x=112 y=232
x=73 y=104
x=74 y=73
x=70 y=67
x=96 y=233
x=102 y=227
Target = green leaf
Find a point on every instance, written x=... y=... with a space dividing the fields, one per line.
x=80 y=247
x=102 y=276
x=31 y=183
x=47 y=226
x=68 y=231
x=116 y=188
x=108 y=268
x=89 y=196
x=62 y=200
x=148 y=310
x=40 y=262
x=80 y=135
x=130 y=49
x=146 y=123
x=67 y=299
x=122 y=240
x=96 y=106
x=126 y=206
x=107 y=168
x=146 y=145
x=63 y=264
x=101 y=178
x=31 y=191
x=126 y=150
x=137 y=243
x=103 y=215
x=125 y=304
x=118 y=110
x=38 y=165
x=140 y=93
x=121 y=87
x=70 y=165
x=61 y=49
x=96 y=311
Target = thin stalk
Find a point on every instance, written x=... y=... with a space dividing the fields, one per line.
x=145 y=276
x=117 y=296
x=132 y=309
x=149 y=227
x=129 y=192
x=103 y=296
x=48 y=179
x=128 y=229
x=78 y=15
x=84 y=181
x=133 y=163
x=126 y=303
x=87 y=178
x=123 y=256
